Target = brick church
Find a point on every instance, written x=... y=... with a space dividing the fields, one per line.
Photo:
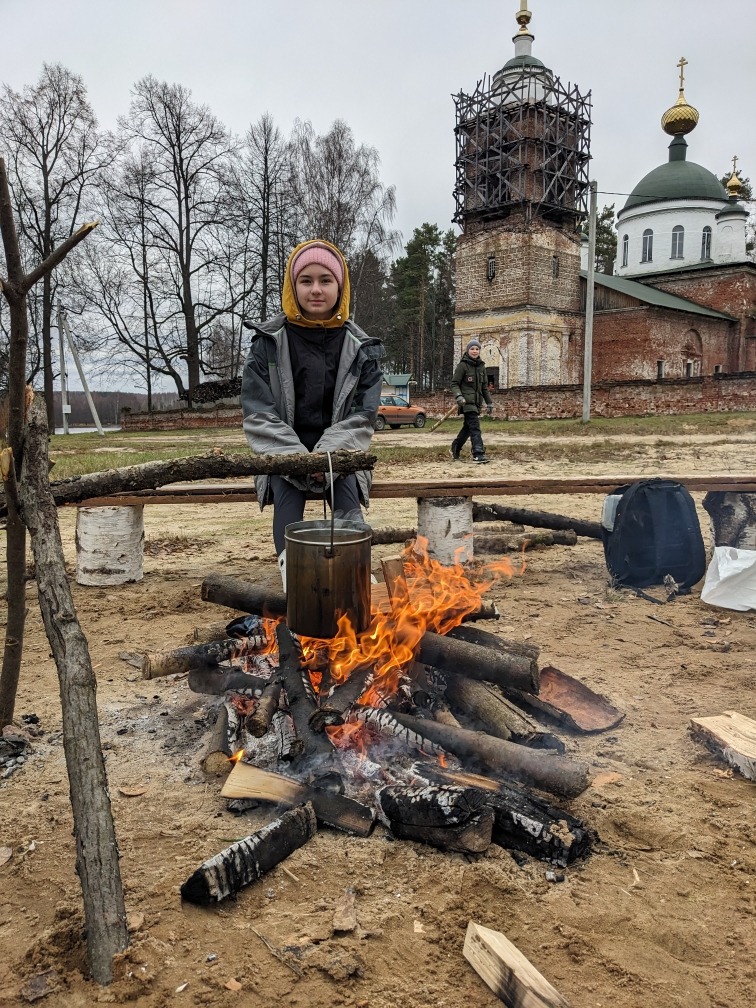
x=682 y=301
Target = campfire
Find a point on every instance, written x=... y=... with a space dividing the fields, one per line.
x=419 y=721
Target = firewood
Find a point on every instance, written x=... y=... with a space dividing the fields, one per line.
x=344 y=913
x=548 y=771
x=479 y=662
x=331 y=808
x=525 y=541
x=522 y=820
x=511 y=976
x=258 y=722
x=536 y=519
x=222 y=679
x=450 y=818
x=384 y=722
x=494 y=713
x=474 y=635
x=332 y=711
x=300 y=700
x=236 y=593
x=731 y=735
x=569 y=702
x=248 y=860
x=219 y=750
x=163 y=663
x=210 y=632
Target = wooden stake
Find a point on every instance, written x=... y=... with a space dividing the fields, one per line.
x=511 y=976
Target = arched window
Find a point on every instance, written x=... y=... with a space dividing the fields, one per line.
x=678 y=237
x=706 y=243
x=625 y=249
x=648 y=246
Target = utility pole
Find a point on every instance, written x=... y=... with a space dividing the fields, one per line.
x=65 y=408
x=588 y=344
x=90 y=402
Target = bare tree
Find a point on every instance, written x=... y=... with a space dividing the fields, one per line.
x=190 y=151
x=339 y=195
x=54 y=152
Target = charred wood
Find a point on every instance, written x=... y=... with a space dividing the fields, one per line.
x=484 y=638
x=220 y=747
x=331 y=808
x=451 y=818
x=163 y=663
x=386 y=723
x=479 y=662
x=258 y=722
x=522 y=820
x=333 y=710
x=536 y=519
x=216 y=681
x=548 y=771
x=289 y=746
x=299 y=703
x=248 y=860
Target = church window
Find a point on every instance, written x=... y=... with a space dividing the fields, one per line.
x=678 y=237
x=717 y=369
x=625 y=248
x=659 y=370
x=648 y=246
x=555 y=266
x=706 y=243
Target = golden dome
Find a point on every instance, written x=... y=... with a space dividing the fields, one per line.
x=733 y=185
x=681 y=118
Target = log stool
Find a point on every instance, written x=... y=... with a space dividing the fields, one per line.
x=109 y=545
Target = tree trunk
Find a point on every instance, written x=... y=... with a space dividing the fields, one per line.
x=96 y=845
x=536 y=519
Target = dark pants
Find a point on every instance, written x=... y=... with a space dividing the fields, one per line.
x=470 y=429
x=289 y=504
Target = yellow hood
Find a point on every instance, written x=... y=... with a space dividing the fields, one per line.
x=289 y=300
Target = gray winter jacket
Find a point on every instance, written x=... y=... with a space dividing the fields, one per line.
x=267 y=399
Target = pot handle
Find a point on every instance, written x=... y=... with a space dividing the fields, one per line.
x=329 y=550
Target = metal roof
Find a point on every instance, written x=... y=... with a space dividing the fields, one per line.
x=653 y=296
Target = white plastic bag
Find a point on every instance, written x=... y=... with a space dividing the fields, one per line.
x=731 y=579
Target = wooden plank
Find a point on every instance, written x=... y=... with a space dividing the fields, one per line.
x=509 y=974
x=243 y=493
x=393 y=573
x=731 y=734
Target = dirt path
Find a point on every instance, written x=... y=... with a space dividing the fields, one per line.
x=662 y=914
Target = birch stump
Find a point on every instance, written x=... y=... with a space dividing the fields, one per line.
x=109 y=545
x=447 y=524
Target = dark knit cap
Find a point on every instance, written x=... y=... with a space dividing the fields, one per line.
x=473 y=342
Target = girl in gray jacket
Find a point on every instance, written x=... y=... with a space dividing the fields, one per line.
x=311 y=383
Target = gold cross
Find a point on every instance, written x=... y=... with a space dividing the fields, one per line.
x=682 y=64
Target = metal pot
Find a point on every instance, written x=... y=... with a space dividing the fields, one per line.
x=327 y=575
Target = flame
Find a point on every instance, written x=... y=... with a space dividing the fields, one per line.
x=239 y=755
x=442 y=762
x=436 y=598
x=351 y=735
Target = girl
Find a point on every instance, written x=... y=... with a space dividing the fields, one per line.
x=311 y=383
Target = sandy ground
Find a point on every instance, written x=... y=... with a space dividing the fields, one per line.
x=661 y=914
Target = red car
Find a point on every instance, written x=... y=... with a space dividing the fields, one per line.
x=396 y=412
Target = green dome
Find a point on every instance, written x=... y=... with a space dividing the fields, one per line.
x=678 y=179
x=522 y=61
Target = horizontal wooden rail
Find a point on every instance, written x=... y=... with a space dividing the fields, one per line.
x=243 y=493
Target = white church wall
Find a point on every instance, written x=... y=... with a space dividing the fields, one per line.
x=660 y=218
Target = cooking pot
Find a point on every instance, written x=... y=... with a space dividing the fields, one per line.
x=327 y=575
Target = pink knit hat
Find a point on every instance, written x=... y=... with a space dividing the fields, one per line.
x=321 y=256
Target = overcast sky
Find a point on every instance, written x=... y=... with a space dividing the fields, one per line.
x=389 y=68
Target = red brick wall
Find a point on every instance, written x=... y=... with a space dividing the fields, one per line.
x=710 y=394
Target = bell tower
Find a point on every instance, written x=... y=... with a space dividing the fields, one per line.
x=521 y=193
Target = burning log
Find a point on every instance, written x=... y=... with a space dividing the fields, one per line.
x=522 y=820
x=258 y=722
x=331 y=808
x=220 y=747
x=545 y=770
x=386 y=723
x=495 y=714
x=236 y=593
x=451 y=818
x=300 y=706
x=163 y=663
x=536 y=519
x=340 y=700
x=479 y=662
x=219 y=680
x=249 y=859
